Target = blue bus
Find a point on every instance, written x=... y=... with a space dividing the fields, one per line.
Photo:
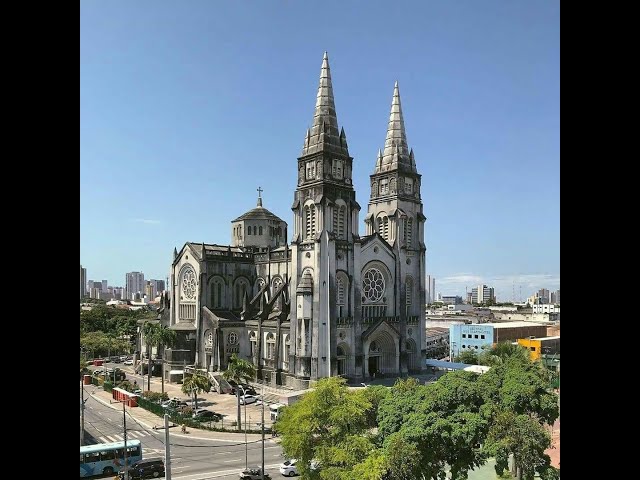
x=108 y=458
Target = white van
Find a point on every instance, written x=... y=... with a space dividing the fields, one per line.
x=274 y=410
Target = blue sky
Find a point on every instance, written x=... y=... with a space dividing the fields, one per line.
x=187 y=107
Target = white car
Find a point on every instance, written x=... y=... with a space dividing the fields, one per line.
x=247 y=399
x=288 y=468
x=128 y=362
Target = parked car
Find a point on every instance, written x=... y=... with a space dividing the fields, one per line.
x=247 y=399
x=128 y=362
x=151 y=468
x=174 y=404
x=202 y=415
x=248 y=389
x=253 y=474
x=288 y=468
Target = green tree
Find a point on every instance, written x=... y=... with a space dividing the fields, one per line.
x=328 y=425
x=470 y=357
x=526 y=439
x=195 y=384
x=402 y=458
x=240 y=371
x=149 y=332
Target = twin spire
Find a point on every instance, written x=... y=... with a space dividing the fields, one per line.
x=396 y=155
x=324 y=134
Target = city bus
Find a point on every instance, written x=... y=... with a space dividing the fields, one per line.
x=107 y=458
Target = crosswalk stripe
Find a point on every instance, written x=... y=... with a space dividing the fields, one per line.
x=103 y=439
x=119 y=437
x=111 y=439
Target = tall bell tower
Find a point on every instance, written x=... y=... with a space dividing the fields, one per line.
x=395 y=213
x=325 y=226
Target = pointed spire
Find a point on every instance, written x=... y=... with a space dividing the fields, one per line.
x=396 y=152
x=324 y=132
x=379 y=162
x=175 y=253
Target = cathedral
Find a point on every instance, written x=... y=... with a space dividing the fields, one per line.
x=330 y=303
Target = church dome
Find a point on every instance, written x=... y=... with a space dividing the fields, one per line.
x=258 y=213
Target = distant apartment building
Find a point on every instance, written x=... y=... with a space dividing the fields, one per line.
x=469 y=297
x=104 y=286
x=83 y=282
x=543 y=295
x=150 y=290
x=451 y=299
x=95 y=292
x=431 y=289
x=545 y=308
x=159 y=286
x=134 y=285
x=483 y=294
x=90 y=285
x=469 y=337
x=555 y=297
x=541 y=346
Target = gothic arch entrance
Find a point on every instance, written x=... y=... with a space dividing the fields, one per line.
x=382 y=356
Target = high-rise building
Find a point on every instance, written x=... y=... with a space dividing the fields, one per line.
x=95 y=292
x=83 y=282
x=134 y=283
x=543 y=294
x=150 y=289
x=90 y=285
x=104 y=286
x=431 y=289
x=483 y=295
x=557 y=297
x=159 y=286
x=470 y=297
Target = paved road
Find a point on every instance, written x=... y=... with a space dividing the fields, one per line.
x=192 y=459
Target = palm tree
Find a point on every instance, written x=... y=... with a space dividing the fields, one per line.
x=161 y=336
x=239 y=371
x=194 y=385
x=149 y=330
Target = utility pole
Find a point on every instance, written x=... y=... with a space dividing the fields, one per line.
x=124 y=434
x=245 y=423
x=82 y=412
x=167 y=453
x=246 y=447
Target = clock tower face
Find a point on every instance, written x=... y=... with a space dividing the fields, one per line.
x=189 y=284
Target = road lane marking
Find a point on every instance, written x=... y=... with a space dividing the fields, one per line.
x=110 y=438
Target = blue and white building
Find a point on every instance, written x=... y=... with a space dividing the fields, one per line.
x=469 y=337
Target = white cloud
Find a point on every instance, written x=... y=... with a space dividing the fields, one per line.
x=148 y=221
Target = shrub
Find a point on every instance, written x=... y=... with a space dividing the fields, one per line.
x=156 y=397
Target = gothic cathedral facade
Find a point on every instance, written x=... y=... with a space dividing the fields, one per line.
x=332 y=302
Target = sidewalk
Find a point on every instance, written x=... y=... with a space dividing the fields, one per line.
x=225 y=404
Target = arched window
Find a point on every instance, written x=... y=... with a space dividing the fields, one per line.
x=241 y=287
x=259 y=230
x=341 y=295
x=408 y=232
x=408 y=294
x=253 y=344
x=271 y=346
x=374 y=302
x=285 y=352
x=217 y=293
x=339 y=213
x=310 y=221
x=248 y=229
x=277 y=283
x=383 y=226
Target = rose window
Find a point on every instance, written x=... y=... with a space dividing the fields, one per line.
x=233 y=338
x=373 y=285
x=189 y=284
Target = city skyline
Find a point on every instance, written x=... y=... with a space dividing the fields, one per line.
x=480 y=97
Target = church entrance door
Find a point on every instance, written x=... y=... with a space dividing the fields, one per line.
x=373 y=365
